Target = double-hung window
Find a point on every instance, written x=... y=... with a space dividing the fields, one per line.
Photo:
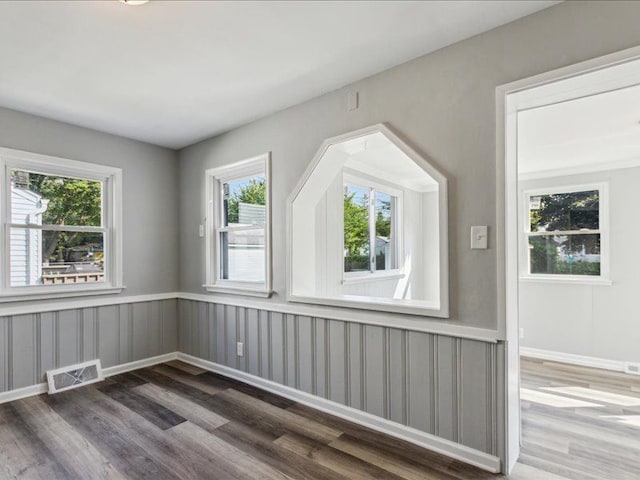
x=61 y=227
x=238 y=233
x=371 y=240
x=566 y=232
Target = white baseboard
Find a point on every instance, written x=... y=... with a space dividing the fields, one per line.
x=582 y=360
x=23 y=392
x=145 y=362
x=41 y=388
x=431 y=442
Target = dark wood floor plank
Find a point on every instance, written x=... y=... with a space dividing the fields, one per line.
x=23 y=454
x=229 y=461
x=185 y=367
x=403 y=467
x=340 y=462
x=224 y=383
x=70 y=448
x=260 y=445
x=394 y=446
x=195 y=381
x=127 y=380
x=155 y=413
x=114 y=432
x=288 y=420
x=196 y=414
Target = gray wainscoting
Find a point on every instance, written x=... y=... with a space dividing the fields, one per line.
x=116 y=334
x=441 y=385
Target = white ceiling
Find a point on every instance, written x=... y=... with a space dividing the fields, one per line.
x=593 y=132
x=174 y=72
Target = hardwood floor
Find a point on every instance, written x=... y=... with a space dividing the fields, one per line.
x=580 y=423
x=176 y=421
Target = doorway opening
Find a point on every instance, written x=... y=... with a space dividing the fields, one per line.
x=571 y=175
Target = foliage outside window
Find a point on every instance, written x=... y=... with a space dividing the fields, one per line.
x=564 y=233
x=369 y=222
x=242 y=235
x=60 y=226
x=238 y=249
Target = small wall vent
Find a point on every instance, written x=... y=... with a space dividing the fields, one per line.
x=73 y=376
x=632 y=368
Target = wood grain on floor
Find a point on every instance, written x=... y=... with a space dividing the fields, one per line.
x=578 y=422
x=176 y=421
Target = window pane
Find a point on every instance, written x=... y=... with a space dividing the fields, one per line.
x=565 y=211
x=244 y=201
x=565 y=254
x=41 y=257
x=38 y=199
x=384 y=206
x=242 y=256
x=356 y=229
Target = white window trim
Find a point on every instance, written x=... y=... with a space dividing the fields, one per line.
x=260 y=164
x=604 y=231
x=111 y=179
x=367 y=182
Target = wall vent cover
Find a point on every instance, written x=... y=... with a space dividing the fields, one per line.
x=632 y=368
x=73 y=376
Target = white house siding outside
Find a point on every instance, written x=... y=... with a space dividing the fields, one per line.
x=26 y=244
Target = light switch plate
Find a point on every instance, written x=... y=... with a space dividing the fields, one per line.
x=479 y=237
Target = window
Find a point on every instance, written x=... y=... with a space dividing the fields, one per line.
x=238 y=240
x=61 y=233
x=370 y=236
x=566 y=232
x=367 y=227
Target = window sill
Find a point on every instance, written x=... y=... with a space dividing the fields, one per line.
x=567 y=280
x=239 y=290
x=372 y=277
x=67 y=292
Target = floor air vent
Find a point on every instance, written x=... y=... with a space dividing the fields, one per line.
x=632 y=368
x=73 y=376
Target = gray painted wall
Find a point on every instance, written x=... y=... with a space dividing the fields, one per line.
x=31 y=344
x=443 y=104
x=116 y=334
x=150 y=191
x=437 y=384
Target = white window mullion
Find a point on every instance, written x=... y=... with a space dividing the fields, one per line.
x=372 y=230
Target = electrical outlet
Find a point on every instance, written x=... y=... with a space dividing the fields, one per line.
x=240 y=349
x=521 y=333
x=201 y=231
